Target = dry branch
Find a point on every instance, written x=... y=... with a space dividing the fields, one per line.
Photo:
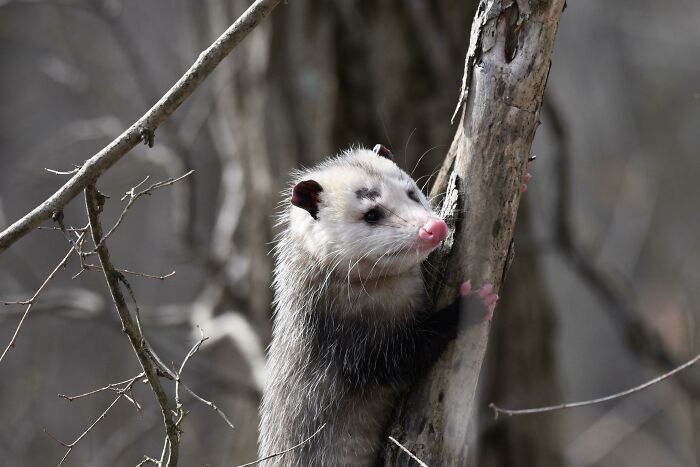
x=599 y=400
x=126 y=386
x=505 y=75
x=94 y=205
x=281 y=453
x=30 y=303
x=144 y=128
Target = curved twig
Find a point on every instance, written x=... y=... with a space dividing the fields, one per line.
x=296 y=446
x=571 y=405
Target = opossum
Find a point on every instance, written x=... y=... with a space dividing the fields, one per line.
x=353 y=323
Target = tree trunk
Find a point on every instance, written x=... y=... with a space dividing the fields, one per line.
x=505 y=75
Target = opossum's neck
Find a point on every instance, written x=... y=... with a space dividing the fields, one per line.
x=333 y=290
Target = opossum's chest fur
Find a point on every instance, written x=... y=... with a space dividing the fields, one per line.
x=341 y=366
x=350 y=305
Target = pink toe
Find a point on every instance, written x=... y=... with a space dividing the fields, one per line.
x=465 y=288
x=491 y=299
x=523 y=188
x=485 y=290
x=528 y=177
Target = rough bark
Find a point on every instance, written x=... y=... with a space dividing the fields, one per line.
x=505 y=75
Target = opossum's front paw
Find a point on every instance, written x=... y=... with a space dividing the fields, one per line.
x=484 y=294
x=528 y=175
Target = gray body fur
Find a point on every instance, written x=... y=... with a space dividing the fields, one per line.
x=323 y=275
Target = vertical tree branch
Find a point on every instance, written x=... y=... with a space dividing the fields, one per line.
x=505 y=75
x=94 y=202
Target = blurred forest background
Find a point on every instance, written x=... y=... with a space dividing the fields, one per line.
x=602 y=295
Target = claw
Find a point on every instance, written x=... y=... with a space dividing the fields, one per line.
x=528 y=175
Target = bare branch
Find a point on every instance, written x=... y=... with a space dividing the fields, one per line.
x=110 y=387
x=133 y=196
x=144 y=128
x=94 y=201
x=94 y=267
x=32 y=300
x=58 y=172
x=121 y=393
x=296 y=446
x=571 y=405
x=178 y=382
x=410 y=454
x=148 y=460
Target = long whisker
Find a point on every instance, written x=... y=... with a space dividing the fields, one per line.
x=381 y=119
x=384 y=207
x=424 y=154
x=405 y=151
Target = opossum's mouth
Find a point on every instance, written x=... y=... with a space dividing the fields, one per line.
x=416 y=248
x=404 y=256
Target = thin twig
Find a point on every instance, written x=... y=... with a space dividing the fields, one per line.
x=110 y=387
x=70 y=446
x=296 y=446
x=148 y=460
x=32 y=300
x=133 y=196
x=59 y=172
x=94 y=267
x=144 y=127
x=410 y=454
x=689 y=363
x=213 y=406
x=93 y=202
x=178 y=381
x=121 y=393
x=68 y=229
x=189 y=355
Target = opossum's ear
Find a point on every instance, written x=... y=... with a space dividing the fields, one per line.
x=383 y=151
x=305 y=196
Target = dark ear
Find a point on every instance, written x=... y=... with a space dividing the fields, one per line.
x=383 y=151
x=305 y=196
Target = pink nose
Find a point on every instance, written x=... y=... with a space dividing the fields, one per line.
x=433 y=232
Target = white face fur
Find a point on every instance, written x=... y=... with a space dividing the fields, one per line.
x=363 y=216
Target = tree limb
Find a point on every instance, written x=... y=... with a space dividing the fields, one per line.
x=94 y=206
x=505 y=75
x=144 y=128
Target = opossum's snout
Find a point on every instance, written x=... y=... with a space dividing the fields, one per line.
x=433 y=232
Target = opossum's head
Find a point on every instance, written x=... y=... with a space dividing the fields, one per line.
x=362 y=215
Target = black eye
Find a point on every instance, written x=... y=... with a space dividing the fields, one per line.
x=372 y=216
x=412 y=194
